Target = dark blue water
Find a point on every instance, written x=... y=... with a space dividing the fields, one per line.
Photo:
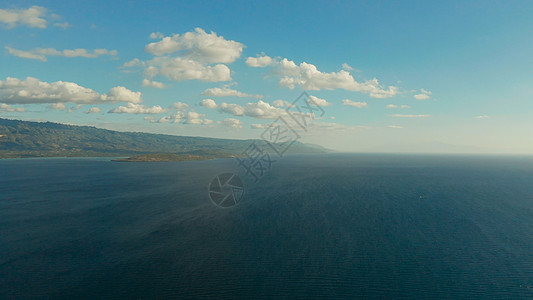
x=325 y=226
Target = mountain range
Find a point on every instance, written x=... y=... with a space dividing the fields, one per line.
x=45 y=139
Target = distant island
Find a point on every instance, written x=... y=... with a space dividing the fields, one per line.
x=166 y=157
x=21 y=139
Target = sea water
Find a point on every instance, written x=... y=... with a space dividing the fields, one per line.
x=312 y=226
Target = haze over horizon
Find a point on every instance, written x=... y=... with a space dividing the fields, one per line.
x=451 y=77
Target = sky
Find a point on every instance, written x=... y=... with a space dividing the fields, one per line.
x=390 y=76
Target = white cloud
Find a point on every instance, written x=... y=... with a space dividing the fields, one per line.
x=57 y=106
x=63 y=25
x=262 y=110
x=355 y=104
x=8 y=108
x=179 y=69
x=227 y=92
x=32 y=90
x=424 y=95
x=93 y=110
x=42 y=53
x=180 y=106
x=196 y=55
x=25 y=54
x=233 y=123
x=482 y=117
x=180 y=113
x=198 y=45
x=122 y=94
x=156 y=35
x=260 y=61
x=195 y=118
x=394 y=127
x=231 y=108
x=410 y=116
x=390 y=106
x=281 y=103
x=165 y=119
x=318 y=101
x=308 y=77
x=347 y=67
x=132 y=108
x=259 y=110
x=259 y=126
x=208 y=103
x=154 y=84
x=133 y=63
x=32 y=17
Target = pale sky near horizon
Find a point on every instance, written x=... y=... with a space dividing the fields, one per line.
x=391 y=76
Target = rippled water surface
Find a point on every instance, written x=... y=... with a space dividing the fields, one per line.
x=318 y=226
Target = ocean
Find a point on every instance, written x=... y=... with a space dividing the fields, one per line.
x=338 y=226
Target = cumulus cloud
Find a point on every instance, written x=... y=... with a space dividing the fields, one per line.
x=482 y=117
x=307 y=77
x=156 y=35
x=394 y=127
x=195 y=118
x=262 y=110
x=232 y=123
x=227 y=92
x=132 y=108
x=33 y=17
x=260 y=61
x=93 y=110
x=32 y=90
x=180 y=106
x=57 y=106
x=281 y=103
x=231 y=108
x=179 y=112
x=353 y=103
x=179 y=69
x=209 y=103
x=259 y=110
x=390 y=106
x=318 y=101
x=121 y=94
x=164 y=119
x=154 y=84
x=198 y=45
x=42 y=53
x=8 y=108
x=423 y=95
x=196 y=55
x=410 y=116
x=259 y=126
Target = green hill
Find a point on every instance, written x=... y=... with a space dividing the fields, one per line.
x=46 y=139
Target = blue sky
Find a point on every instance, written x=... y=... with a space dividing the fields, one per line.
x=392 y=76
